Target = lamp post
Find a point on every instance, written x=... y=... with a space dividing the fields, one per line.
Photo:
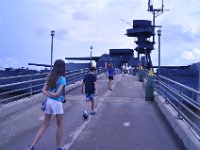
x=91 y=47
x=159 y=34
x=52 y=34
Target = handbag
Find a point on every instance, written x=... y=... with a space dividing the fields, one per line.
x=43 y=105
x=63 y=95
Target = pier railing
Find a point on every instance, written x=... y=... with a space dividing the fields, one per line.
x=14 y=88
x=183 y=99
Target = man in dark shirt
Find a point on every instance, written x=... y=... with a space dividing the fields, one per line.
x=90 y=89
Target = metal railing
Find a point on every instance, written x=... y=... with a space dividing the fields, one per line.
x=14 y=88
x=183 y=99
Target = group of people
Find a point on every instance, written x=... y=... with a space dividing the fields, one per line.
x=53 y=88
x=126 y=69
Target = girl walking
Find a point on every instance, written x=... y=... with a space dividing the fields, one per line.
x=53 y=88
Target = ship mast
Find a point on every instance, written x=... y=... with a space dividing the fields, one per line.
x=156 y=12
x=144 y=30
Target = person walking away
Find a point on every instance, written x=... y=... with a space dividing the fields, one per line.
x=123 y=69
x=110 y=76
x=89 y=82
x=129 y=69
x=53 y=88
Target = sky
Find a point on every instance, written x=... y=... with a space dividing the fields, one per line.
x=26 y=26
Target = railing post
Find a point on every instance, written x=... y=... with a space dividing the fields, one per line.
x=97 y=71
x=31 y=87
x=83 y=73
x=193 y=96
x=179 y=104
x=73 y=77
x=166 y=99
x=158 y=85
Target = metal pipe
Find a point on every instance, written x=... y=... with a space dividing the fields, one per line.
x=159 y=34
x=91 y=47
x=52 y=34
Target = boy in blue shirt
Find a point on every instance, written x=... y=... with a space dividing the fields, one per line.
x=89 y=82
x=110 y=76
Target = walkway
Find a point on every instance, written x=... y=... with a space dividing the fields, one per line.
x=124 y=121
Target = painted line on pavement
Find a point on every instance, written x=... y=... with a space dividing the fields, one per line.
x=80 y=128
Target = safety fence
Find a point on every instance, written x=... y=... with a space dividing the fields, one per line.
x=14 y=88
x=185 y=100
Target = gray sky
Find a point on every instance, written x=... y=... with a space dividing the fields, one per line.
x=26 y=25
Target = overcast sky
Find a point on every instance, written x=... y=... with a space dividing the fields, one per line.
x=26 y=24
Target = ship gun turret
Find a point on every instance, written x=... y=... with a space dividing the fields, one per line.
x=143 y=31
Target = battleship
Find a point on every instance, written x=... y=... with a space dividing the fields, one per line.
x=144 y=32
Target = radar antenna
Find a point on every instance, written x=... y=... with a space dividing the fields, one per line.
x=126 y=22
x=156 y=13
x=150 y=6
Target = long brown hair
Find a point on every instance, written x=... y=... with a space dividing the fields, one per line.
x=57 y=71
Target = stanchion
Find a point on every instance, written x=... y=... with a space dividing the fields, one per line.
x=149 y=90
x=141 y=74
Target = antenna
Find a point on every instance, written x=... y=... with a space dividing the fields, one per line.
x=162 y=6
x=150 y=6
x=126 y=22
x=156 y=13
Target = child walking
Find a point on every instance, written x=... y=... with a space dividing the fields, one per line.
x=110 y=76
x=90 y=89
x=53 y=88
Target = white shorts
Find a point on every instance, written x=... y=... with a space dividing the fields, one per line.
x=53 y=107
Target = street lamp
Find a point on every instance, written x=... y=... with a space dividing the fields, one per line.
x=159 y=34
x=91 y=47
x=52 y=34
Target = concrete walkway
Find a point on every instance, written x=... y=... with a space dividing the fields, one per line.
x=124 y=121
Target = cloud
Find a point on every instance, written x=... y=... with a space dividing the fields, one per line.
x=187 y=57
x=175 y=42
x=184 y=13
x=8 y=62
x=81 y=15
x=42 y=32
x=61 y=34
x=191 y=56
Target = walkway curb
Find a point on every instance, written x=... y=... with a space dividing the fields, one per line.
x=180 y=127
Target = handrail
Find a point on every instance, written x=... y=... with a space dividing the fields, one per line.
x=13 y=88
x=183 y=99
x=22 y=82
x=186 y=87
x=26 y=75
